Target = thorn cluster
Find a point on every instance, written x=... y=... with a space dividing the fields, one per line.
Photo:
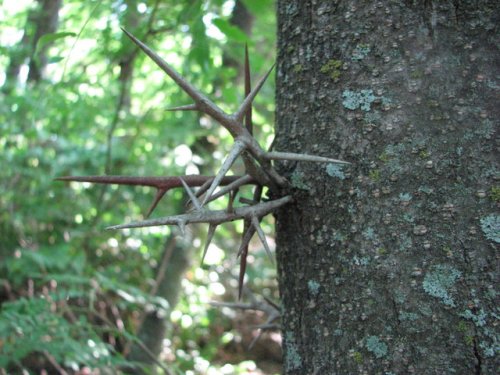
x=258 y=166
x=268 y=307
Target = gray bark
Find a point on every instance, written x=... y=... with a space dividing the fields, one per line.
x=389 y=266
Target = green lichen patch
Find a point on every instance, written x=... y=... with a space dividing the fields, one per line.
x=313 y=287
x=376 y=346
x=293 y=360
x=374 y=175
x=332 y=68
x=358 y=357
x=361 y=99
x=407 y=316
x=490 y=226
x=405 y=197
x=495 y=194
x=360 y=52
x=297 y=68
x=439 y=281
x=298 y=181
x=335 y=170
x=479 y=318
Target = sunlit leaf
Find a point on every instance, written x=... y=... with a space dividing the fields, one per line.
x=49 y=38
x=232 y=32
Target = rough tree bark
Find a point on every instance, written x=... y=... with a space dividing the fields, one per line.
x=389 y=266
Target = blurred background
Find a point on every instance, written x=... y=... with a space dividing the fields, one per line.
x=78 y=98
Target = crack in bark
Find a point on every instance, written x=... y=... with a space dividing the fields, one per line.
x=478 y=366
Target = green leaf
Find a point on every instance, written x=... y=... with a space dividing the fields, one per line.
x=232 y=32
x=55 y=59
x=49 y=38
x=257 y=6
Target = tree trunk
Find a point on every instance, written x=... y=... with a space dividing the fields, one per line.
x=389 y=266
x=173 y=265
x=46 y=23
x=41 y=20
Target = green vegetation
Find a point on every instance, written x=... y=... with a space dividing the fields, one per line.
x=73 y=295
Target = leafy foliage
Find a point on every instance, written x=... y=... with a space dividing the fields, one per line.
x=69 y=290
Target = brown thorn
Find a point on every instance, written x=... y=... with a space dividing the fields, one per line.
x=243 y=267
x=203 y=188
x=157 y=182
x=246 y=201
x=159 y=195
x=271 y=303
x=232 y=186
x=249 y=231
x=257 y=194
x=251 y=96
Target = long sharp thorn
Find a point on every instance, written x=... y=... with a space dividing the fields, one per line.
x=237 y=149
x=232 y=186
x=276 y=155
x=159 y=195
x=255 y=339
x=248 y=89
x=246 y=239
x=206 y=105
x=249 y=99
x=243 y=267
x=262 y=236
x=210 y=235
x=193 y=198
x=203 y=188
x=270 y=302
x=188 y=107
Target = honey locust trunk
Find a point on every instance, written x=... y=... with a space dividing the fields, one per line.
x=388 y=266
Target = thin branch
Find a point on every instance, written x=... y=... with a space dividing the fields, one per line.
x=54 y=363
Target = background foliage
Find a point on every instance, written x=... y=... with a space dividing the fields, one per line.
x=72 y=294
